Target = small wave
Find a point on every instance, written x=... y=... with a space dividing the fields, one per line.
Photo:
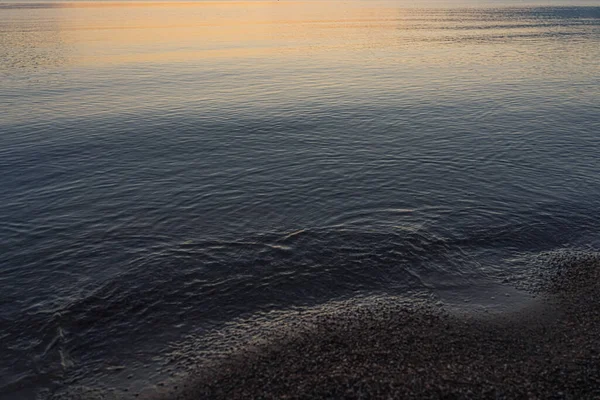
x=200 y=288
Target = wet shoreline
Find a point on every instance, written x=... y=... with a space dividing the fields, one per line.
x=550 y=349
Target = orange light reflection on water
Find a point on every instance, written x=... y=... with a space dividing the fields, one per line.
x=158 y=32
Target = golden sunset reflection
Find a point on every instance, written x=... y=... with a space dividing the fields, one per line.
x=131 y=32
x=100 y=33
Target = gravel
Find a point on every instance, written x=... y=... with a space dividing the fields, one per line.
x=550 y=350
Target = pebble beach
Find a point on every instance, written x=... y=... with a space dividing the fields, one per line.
x=550 y=349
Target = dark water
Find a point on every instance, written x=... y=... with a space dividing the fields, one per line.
x=170 y=168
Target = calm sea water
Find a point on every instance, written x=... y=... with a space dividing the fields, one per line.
x=167 y=169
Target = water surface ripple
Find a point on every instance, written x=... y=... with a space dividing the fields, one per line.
x=167 y=169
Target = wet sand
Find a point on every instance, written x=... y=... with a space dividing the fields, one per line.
x=551 y=349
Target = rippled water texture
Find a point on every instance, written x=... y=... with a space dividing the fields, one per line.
x=168 y=168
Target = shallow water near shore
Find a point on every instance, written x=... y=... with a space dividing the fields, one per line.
x=171 y=169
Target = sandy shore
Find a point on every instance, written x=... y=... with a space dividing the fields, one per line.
x=549 y=350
